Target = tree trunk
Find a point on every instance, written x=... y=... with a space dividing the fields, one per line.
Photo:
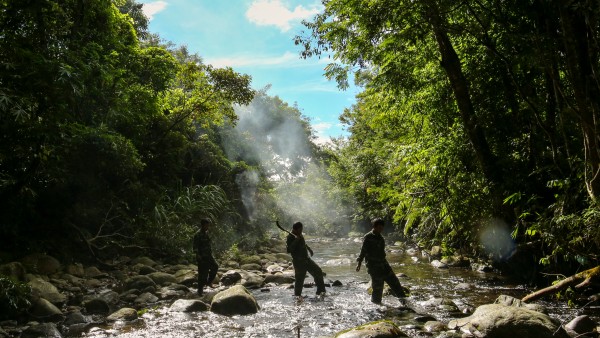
x=581 y=280
x=579 y=38
x=460 y=87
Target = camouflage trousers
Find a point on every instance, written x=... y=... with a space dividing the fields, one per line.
x=207 y=271
x=380 y=273
x=301 y=267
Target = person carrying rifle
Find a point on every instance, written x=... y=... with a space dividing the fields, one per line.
x=296 y=246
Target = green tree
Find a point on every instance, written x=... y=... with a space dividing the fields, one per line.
x=471 y=110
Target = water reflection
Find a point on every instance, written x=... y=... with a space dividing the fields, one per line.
x=344 y=307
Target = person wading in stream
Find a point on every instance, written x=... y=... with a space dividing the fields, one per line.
x=207 y=265
x=297 y=247
x=373 y=251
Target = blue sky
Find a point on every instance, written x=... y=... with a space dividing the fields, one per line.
x=255 y=37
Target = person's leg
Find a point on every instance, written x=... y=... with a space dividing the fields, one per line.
x=377 y=287
x=317 y=274
x=299 y=275
x=392 y=280
x=202 y=276
x=213 y=268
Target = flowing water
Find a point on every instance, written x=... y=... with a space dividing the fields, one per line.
x=345 y=306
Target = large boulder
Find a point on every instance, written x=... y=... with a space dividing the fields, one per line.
x=381 y=329
x=41 y=264
x=43 y=310
x=46 y=290
x=234 y=301
x=501 y=321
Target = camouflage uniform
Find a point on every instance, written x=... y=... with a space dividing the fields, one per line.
x=373 y=251
x=302 y=264
x=207 y=265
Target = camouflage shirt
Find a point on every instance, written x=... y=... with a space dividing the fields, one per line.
x=373 y=249
x=202 y=246
x=296 y=247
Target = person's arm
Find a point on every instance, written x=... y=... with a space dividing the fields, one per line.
x=361 y=256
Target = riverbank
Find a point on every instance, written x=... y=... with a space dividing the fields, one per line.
x=136 y=297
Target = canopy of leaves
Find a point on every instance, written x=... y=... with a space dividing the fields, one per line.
x=470 y=111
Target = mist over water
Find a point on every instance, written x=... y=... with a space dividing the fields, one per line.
x=275 y=138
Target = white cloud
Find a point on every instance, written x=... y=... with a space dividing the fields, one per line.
x=287 y=59
x=152 y=8
x=323 y=131
x=274 y=13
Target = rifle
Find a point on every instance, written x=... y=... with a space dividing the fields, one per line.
x=282 y=229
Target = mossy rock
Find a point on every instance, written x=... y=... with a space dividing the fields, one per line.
x=378 y=329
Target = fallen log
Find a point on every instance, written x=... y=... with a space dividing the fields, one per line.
x=580 y=280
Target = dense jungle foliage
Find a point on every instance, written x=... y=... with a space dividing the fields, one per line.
x=473 y=115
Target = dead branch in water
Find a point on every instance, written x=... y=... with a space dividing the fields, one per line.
x=580 y=280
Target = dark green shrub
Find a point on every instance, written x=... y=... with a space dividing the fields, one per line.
x=14 y=297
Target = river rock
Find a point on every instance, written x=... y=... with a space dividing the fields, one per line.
x=143 y=260
x=162 y=278
x=96 y=305
x=41 y=264
x=381 y=329
x=13 y=270
x=501 y=321
x=145 y=299
x=188 y=305
x=73 y=280
x=75 y=317
x=273 y=268
x=46 y=330
x=282 y=256
x=94 y=272
x=436 y=252
x=230 y=277
x=444 y=304
x=234 y=301
x=251 y=266
x=173 y=291
x=437 y=264
x=75 y=269
x=581 y=325
x=139 y=282
x=434 y=326
x=46 y=290
x=512 y=301
x=251 y=280
x=250 y=259
x=42 y=309
x=144 y=269
x=280 y=278
x=125 y=313
x=186 y=277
